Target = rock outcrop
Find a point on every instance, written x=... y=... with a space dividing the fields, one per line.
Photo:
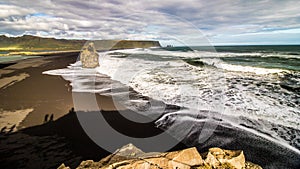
x=89 y=56
x=217 y=157
x=129 y=157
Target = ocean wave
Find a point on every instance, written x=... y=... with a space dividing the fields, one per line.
x=206 y=54
x=209 y=58
x=286 y=55
x=179 y=83
x=216 y=62
x=240 y=68
x=220 y=87
x=182 y=54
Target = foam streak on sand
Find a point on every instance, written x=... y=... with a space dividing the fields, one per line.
x=8 y=81
x=10 y=118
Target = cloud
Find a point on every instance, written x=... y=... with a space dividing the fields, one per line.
x=220 y=21
x=11 y=10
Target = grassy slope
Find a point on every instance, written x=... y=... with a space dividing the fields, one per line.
x=30 y=43
x=33 y=45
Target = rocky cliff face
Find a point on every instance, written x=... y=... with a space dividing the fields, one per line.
x=129 y=157
x=124 y=44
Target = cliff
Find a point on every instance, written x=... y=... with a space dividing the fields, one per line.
x=30 y=43
x=101 y=45
x=35 y=43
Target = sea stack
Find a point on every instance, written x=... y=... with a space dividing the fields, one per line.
x=89 y=56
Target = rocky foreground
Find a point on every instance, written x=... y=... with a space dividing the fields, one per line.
x=130 y=156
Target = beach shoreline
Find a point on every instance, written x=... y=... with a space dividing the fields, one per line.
x=61 y=139
x=64 y=140
x=25 y=87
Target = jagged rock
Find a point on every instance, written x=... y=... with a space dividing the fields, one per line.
x=62 y=166
x=129 y=151
x=89 y=56
x=126 y=152
x=129 y=157
x=217 y=158
x=249 y=165
x=89 y=164
x=188 y=156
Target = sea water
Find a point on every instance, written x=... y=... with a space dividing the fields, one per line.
x=253 y=87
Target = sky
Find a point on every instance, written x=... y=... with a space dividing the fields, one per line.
x=177 y=22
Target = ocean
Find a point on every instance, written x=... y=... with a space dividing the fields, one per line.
x=254 y=88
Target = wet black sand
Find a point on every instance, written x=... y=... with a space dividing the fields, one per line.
x=45 y=94
x=37 y=144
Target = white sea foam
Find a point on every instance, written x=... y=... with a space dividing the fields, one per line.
x=176 y=82
x=230 y=67
x=220 y=88
x=184 y=54
x=210 y=58
x=281 y=55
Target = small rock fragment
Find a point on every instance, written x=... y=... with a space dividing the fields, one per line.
x=62 y=166
x=217 y=157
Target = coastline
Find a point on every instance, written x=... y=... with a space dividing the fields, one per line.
x=59 y=141
x=64 y=140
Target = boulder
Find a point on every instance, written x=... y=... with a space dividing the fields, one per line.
x=89 y=56
x=217 y=158
x=129 y=157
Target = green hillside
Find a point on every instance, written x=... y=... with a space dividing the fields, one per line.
x=27 y=44
x=32 y=43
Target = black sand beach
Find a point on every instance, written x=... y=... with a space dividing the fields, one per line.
x=42 y=93
x=46 y=145
x=37 y=144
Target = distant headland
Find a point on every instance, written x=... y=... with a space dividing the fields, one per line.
x=34 y=45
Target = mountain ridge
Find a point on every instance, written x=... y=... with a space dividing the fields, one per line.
x=36 y=43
